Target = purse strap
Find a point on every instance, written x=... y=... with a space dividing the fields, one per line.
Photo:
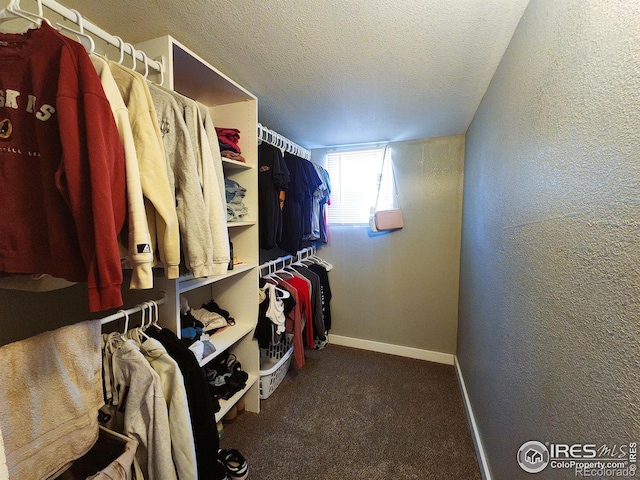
x=393 y=174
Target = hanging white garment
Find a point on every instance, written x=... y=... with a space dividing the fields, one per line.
x=275 y=310
x=137 y=406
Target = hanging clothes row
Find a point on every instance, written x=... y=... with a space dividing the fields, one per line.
x=297 y=295
x=148 y=388
x=293 y=193
x=176 y=149
x=156 y=392
x=103 y=171
x=283 y=143
x=85 y=31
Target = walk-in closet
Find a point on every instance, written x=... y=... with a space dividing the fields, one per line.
x=293 y=240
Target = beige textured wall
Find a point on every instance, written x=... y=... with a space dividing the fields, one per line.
x=401 y=288
x=24 y=314
x=549 y=328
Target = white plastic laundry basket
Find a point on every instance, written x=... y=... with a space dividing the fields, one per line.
x=274 y=364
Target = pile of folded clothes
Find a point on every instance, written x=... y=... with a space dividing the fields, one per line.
x=228 y=139
x=235 y=193
x=197 y=325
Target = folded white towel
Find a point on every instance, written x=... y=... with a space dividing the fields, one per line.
x=50 y=396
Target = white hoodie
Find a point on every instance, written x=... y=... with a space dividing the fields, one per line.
x=136 y=403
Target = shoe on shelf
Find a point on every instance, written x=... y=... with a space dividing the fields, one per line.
x=234 y=464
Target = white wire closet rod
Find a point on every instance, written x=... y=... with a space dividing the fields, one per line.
x=274 y=263
x=305 y=252
x=283 y=143
x=117 y=42
x=130 y=311
x=300 y=255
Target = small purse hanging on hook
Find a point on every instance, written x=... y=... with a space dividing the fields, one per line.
x=386 y=220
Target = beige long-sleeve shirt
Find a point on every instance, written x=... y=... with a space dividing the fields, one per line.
x=159 y=199
x=136 y=250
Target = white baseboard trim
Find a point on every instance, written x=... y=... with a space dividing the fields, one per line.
x=400 y=350
x=482 y=459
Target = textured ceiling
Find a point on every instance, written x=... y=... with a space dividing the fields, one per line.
x=332 y=72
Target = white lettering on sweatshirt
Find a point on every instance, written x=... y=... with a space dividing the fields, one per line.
x=9 y=99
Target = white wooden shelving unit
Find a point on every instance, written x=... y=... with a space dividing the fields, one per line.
x=231 y=106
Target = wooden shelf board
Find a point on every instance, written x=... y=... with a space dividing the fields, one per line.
x=226 y=338
x=225 y=405
x=188 y=283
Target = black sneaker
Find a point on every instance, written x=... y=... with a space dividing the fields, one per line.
x=234 y=464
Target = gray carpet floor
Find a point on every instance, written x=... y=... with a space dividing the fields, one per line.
x=360 y=415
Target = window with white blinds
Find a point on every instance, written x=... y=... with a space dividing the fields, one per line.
x=354 y=185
